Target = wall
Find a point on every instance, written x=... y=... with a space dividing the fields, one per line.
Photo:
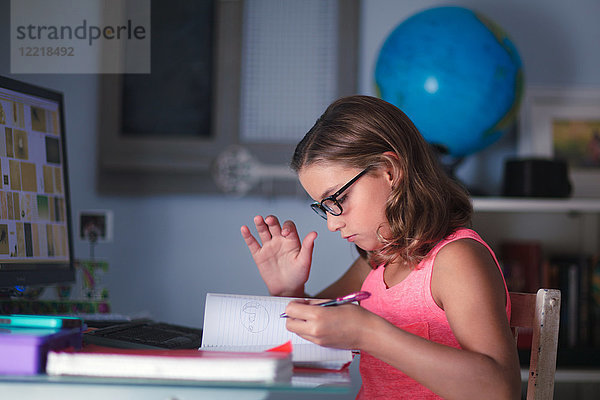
x=169 y=251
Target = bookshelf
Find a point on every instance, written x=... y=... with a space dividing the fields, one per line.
x=561 y=226
x=565 y=225
x=509 y=204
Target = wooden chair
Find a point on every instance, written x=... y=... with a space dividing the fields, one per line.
x=540 y=312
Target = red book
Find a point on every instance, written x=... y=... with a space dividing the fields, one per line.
x=194 y=365
x=521 y=262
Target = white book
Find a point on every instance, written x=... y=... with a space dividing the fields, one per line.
x=253 y=323
x=188 y=365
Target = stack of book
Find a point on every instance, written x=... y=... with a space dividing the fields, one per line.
x=26 y=339
x=244 y=340
x=577 y=276
x=188 y=365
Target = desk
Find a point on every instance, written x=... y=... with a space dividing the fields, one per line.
x=65 y=387
x=61 y=388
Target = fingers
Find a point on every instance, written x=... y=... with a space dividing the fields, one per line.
x=267 y=227
x=303 y=319
x=261 y=227
x=297 y=309
x=327 y=326
x=273 y=224
x=306 y=251
x=289 y=229
x=251 y=242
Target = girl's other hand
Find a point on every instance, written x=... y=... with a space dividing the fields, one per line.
x=338 y=326
x=282 y=260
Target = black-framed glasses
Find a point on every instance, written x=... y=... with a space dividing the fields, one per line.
x=330 y=204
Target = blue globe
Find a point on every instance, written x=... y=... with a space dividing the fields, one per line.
x=456 y=74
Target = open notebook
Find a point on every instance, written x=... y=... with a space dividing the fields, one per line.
x=253 y=323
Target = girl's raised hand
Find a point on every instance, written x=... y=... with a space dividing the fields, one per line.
x=282 y=260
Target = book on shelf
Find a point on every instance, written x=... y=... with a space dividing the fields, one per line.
x=527 y=268
x=189 y=365
x=521 y=261
x=253 y=323
x=573 y=275
x=595 y=301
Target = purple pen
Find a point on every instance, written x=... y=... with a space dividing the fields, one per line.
x=349 y=298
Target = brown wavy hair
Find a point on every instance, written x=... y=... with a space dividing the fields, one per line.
x=425 y=205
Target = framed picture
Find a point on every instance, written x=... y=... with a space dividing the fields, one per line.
x=564 y=123
x=95 y=225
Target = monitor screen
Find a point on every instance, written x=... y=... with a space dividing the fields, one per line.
x=35 y=224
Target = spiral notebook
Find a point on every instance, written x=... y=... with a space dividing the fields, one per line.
x=253 y=324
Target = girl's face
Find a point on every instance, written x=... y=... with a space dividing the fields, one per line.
x=363 y=202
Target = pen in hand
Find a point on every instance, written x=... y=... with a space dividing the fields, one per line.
x=357 y=296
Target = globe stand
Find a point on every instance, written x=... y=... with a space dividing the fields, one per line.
x=449 y=164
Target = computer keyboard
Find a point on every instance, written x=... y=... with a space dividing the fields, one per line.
x=145 y=334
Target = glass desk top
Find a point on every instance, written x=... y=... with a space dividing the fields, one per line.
x=303 y=385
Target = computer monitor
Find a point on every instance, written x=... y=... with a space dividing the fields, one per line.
x=35 y=223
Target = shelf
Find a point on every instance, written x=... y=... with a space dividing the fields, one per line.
x=513 y=204
x=577 y=375
x=583 y=358
x=571 y=375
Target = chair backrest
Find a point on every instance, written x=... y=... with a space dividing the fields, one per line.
x=541 y=313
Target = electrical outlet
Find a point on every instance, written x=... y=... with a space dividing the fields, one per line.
x=95 y=225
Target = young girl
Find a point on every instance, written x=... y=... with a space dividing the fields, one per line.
x=436 y=324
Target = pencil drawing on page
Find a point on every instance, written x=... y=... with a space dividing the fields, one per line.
x=254 y=317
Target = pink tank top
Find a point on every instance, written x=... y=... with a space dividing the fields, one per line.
x=408 y=305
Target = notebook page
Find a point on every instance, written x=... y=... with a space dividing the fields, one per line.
x=239 y=320
x=253 y=323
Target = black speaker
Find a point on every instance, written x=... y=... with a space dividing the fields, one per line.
x=536 y=177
